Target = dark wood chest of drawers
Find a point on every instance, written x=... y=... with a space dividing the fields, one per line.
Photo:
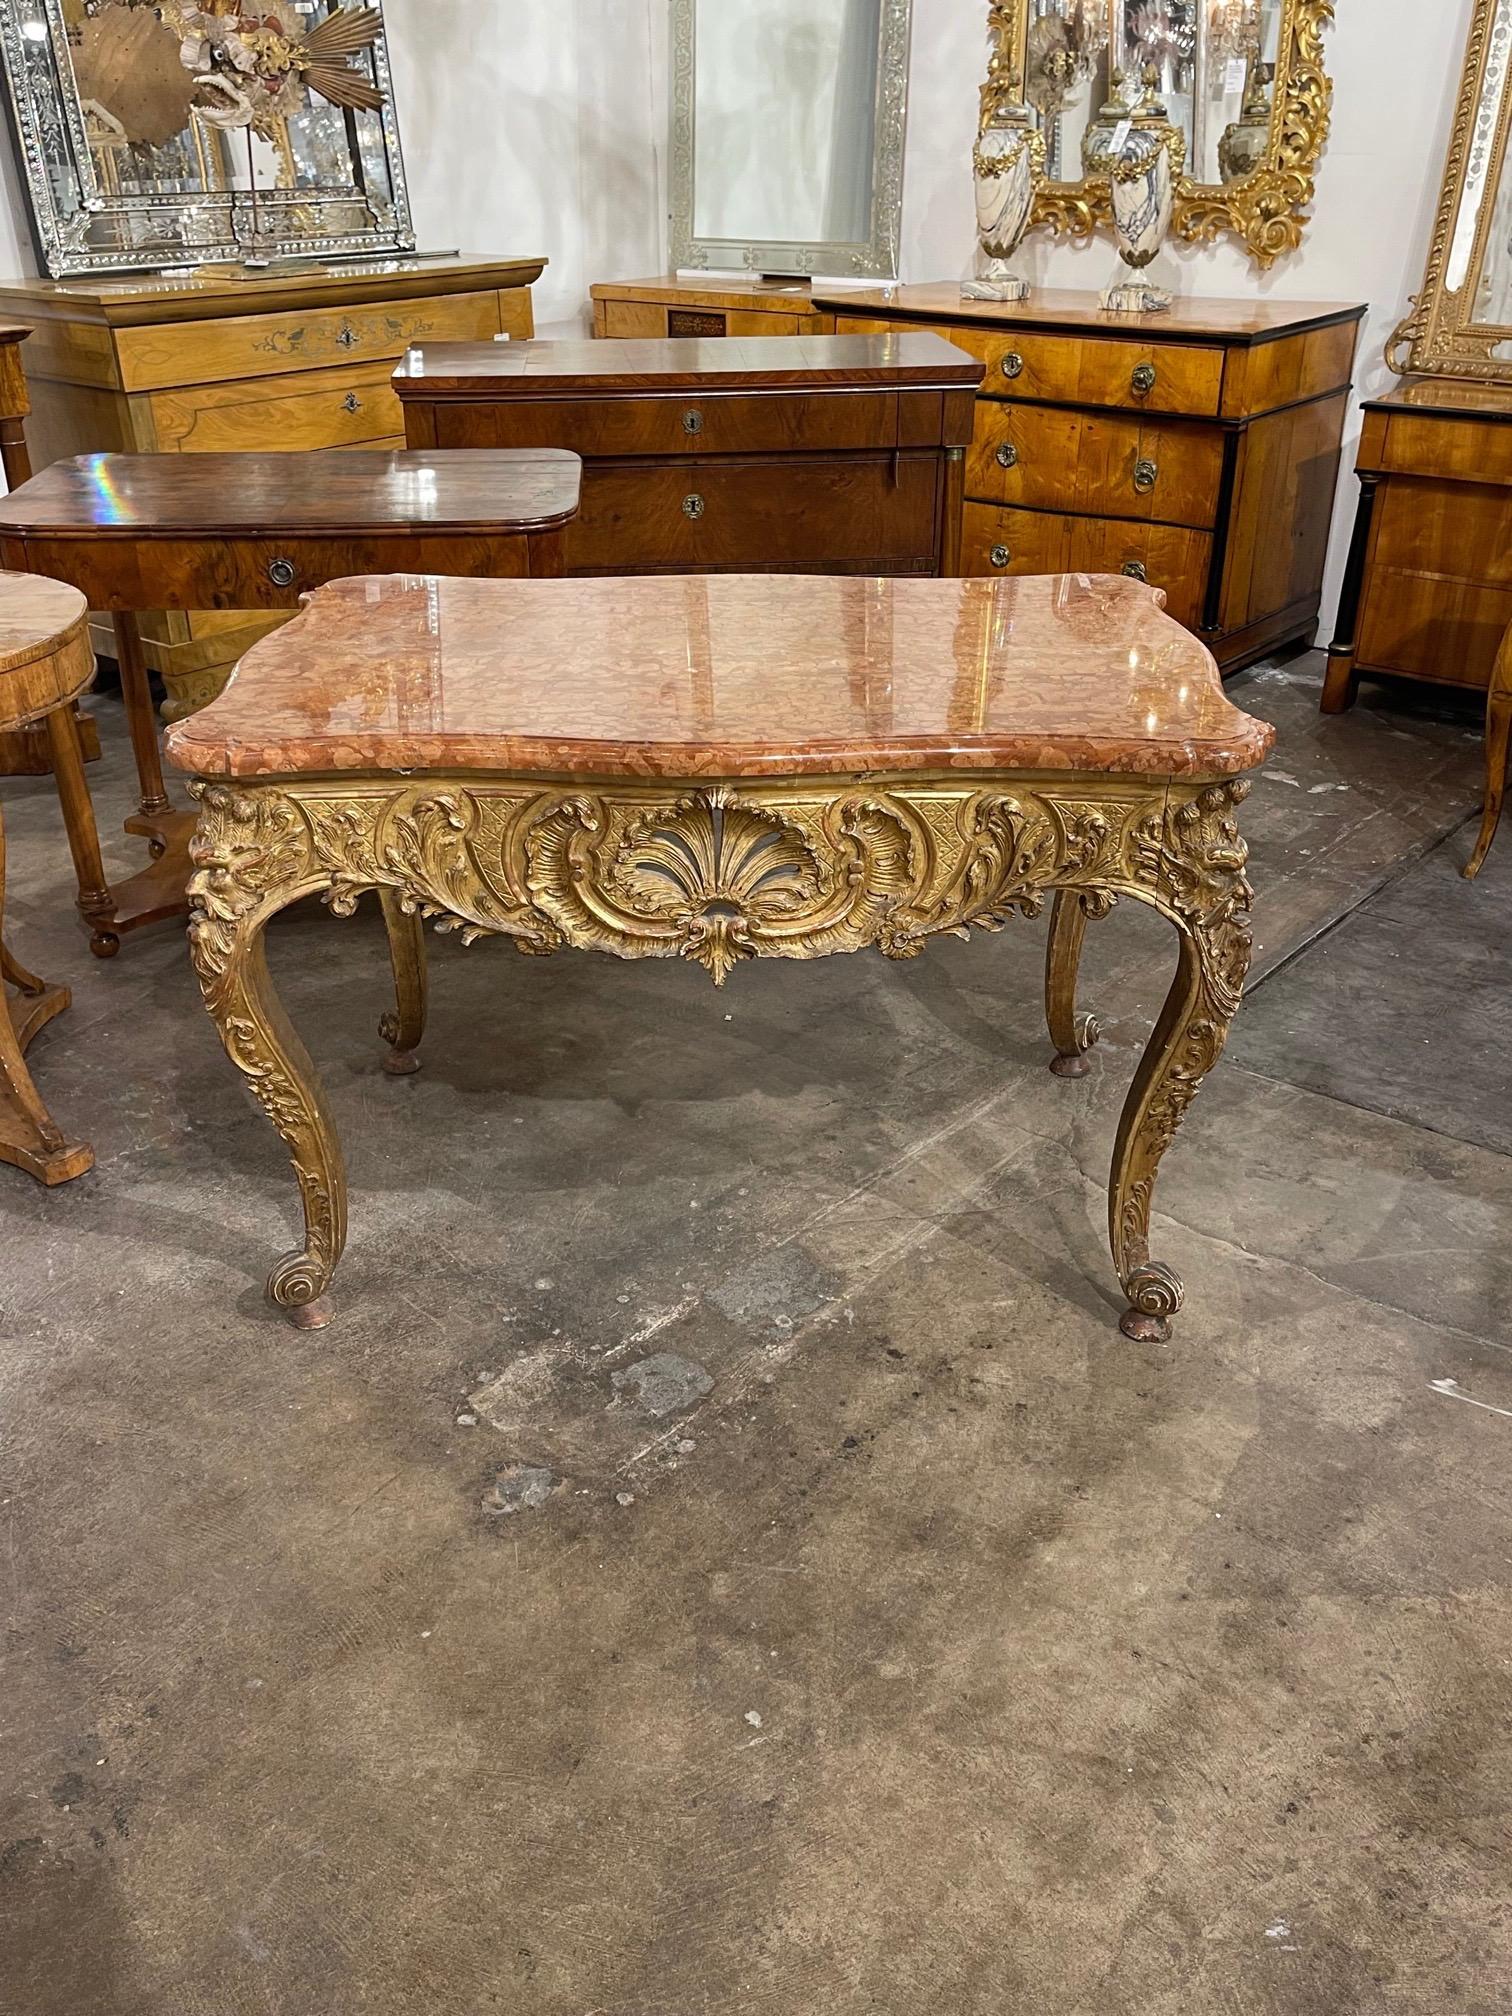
x=822 y=455
x=1198 y=450
x=1428 y=591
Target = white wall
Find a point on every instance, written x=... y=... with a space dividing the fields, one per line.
x=539 y=126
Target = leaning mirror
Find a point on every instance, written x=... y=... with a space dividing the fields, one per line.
x=1460 y=326
x=1243 y=80
x=787 y=135
x=160 y=133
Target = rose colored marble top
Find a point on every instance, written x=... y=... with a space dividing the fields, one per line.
x=725 y=675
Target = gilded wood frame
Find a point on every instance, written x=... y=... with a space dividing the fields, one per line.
x=1267 y=209
x=1437 y=337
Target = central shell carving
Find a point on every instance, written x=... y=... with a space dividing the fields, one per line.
x=718 y=869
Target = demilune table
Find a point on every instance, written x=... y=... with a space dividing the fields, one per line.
x=721 y=768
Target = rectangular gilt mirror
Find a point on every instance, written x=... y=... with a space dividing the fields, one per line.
x=1242 y=79
x=787 y=135
x=1460 y=325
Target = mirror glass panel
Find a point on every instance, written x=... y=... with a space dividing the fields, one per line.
x=1215 y=64
x=786 y=121
x=787 y=134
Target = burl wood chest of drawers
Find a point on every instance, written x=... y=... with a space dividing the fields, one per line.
x=788 y=454
x=1197 y=450
x=1428 y=589
x=196 y=363
x=673 y=307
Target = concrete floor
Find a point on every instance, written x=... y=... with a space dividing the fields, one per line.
x=724 y=1557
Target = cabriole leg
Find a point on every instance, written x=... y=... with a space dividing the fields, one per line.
x=405 y=1028
x=1073 y=1035
x=1206 y=895
x=253 y=859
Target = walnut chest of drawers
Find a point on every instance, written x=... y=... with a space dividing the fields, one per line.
x=198 y=362
x=1428 y=589
x=673 y=307
x=1197 y=450
x=788 y=454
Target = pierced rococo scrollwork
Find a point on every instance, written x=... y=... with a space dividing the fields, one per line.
x=717 y=874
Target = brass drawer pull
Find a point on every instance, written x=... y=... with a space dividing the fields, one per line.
x=1136 y=570
x=1146 y=475
x=1000 y=556
x=1007 y=456
x=1144 y=379
x=352 y=403
x=692 y=421
x=693 y=506
x=1013 y=364
x=282 y=573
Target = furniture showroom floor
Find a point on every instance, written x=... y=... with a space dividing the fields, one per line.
x=723 y=1557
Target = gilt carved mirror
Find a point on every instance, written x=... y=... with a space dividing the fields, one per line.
x=159 y=133
x=1460 y=325
x=1244 y=81
x=787 y=135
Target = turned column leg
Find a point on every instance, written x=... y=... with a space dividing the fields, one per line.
x=141 y=719
x=1207 y=897
x=1340 y=683
x=405 y=1028
x=226 y=943
x=1498 y=753
x=96 y=902
x=1073 y=1035
x=30 y=1139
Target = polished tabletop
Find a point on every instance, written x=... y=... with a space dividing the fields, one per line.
x=725 y=675
x=1252 y=319
x=525 y=370
x=355 y=490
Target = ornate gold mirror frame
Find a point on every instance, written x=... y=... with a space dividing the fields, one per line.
x=1441 y=336
x=1266 y=208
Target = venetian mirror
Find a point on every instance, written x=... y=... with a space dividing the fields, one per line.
x=159 y=133
x=787 y=134
x=1460 y=326
x=1243 y=80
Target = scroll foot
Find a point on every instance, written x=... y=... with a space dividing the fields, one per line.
x=404 y=1029
x=1072 y=1034
x=1155 y=1295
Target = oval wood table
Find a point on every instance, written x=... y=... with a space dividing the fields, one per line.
x=718 y=769
x=46 y=662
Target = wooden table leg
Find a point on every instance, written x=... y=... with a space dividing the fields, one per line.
x=405 y=1028
x=235 y=896
x=29 y=1137
x=1073 y=1035
x=1498 y=753
x=1208 y=899
x=96 y=902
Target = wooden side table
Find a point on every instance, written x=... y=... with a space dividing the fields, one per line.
x=137 y=532
x=791 y=454
x=45 y=662
x=719 y=769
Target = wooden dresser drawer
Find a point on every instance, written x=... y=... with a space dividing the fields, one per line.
x=1061 y=369
x=1053 y=457
x=310 y=409
x=757 y=424
x=1446 y=531
x=1005 y=541
x=796 y=516
x=1429 y=445
x=248 y=346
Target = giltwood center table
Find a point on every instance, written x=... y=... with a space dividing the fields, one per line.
x=46 y=661
x=719 y=768
x=256 y=531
